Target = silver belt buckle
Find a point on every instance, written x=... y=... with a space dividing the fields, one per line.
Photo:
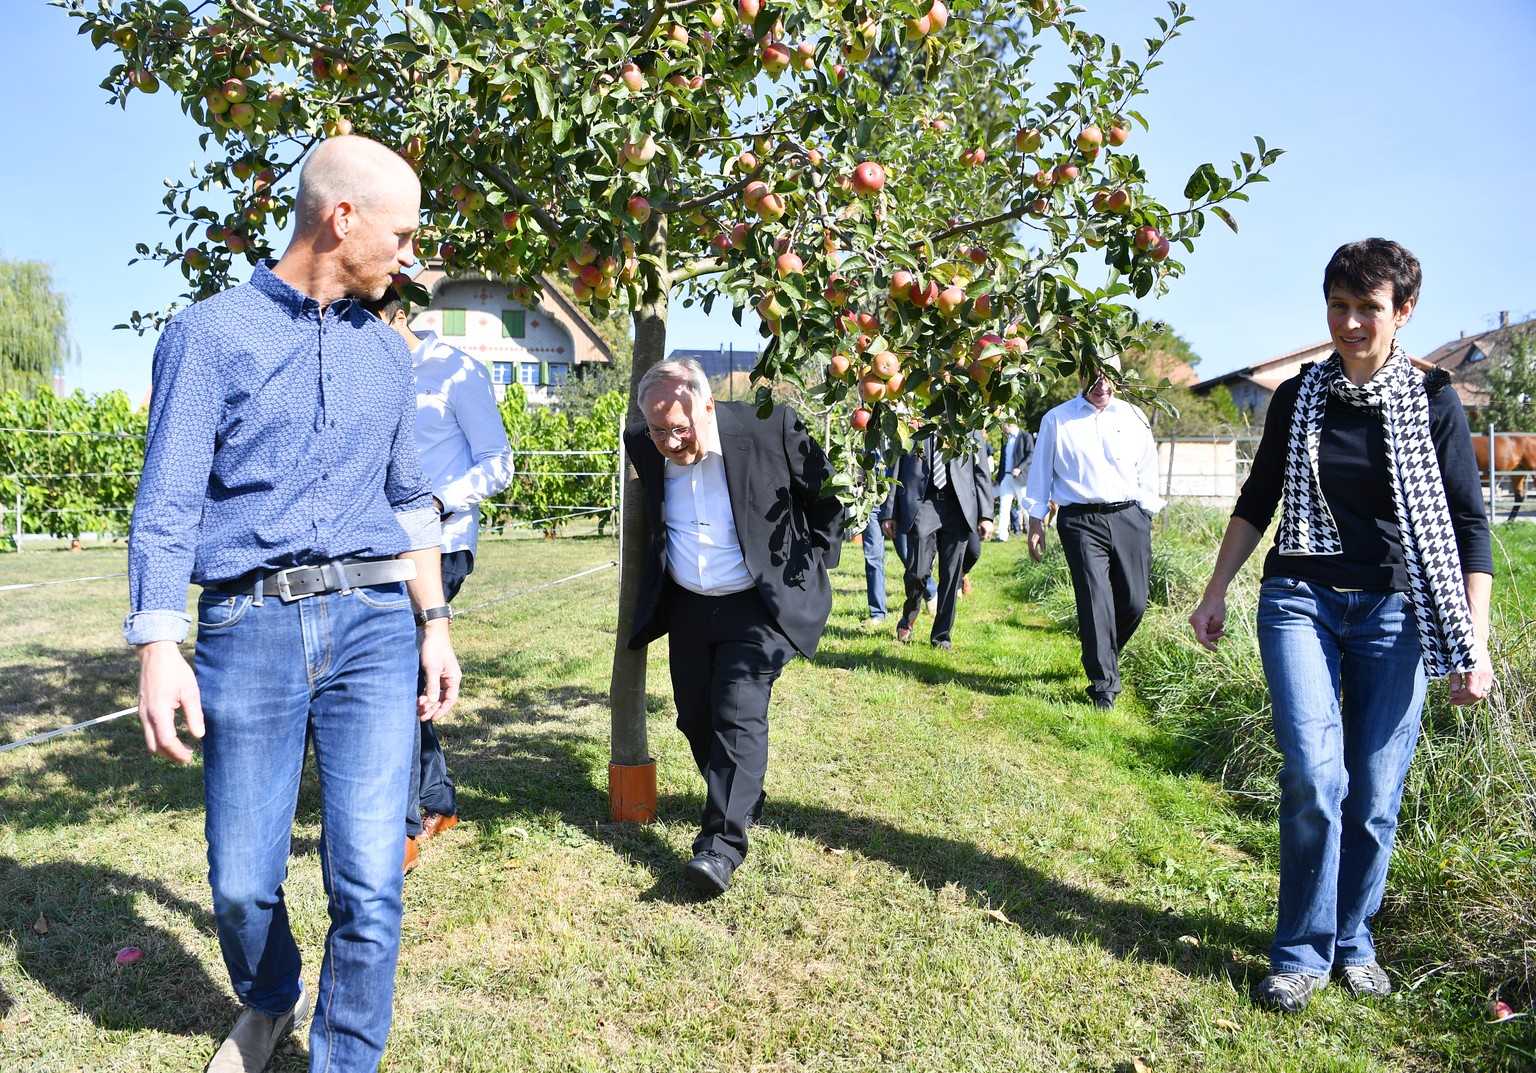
x=284 y=591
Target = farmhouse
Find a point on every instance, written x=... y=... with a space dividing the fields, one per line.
x=538 y=343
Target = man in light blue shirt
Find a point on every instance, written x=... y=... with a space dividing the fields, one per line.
x=467 y=459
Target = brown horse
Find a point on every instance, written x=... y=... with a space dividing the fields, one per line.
x=1512 y=451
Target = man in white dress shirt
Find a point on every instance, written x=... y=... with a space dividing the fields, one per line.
x=742 y=537
x=467 y=459
x=1096 y=460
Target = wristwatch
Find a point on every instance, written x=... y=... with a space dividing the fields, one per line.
x=424 y=617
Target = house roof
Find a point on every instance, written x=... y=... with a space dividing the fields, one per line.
x=1468 y=359
x=1272 y=372
x=590 y=346
x=721 y=362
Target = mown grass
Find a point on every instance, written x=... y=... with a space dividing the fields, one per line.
x=963 y=866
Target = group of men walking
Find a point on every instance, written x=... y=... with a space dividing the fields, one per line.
x=316 y=467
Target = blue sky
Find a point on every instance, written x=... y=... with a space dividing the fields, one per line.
x=1402 y=118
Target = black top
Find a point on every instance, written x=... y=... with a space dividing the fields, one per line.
x=1352 y=469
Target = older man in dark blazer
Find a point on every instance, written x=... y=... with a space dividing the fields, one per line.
x=941 y=501
x=742 y=537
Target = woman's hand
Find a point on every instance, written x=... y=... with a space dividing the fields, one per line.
x=1469 y=687
x=1209 y=619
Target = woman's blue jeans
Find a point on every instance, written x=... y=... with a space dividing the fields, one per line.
x=335 y=670
x=1347 y=683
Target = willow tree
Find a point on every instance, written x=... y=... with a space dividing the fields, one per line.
x=818 y=162
x=34 y=327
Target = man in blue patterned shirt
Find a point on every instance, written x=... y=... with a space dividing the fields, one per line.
x=281 y=475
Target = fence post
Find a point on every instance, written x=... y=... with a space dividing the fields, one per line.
x=18 y=521
x=1493 y=476
x=1168 y=484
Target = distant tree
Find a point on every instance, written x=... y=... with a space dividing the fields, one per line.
x=34 y=327
x=1512 y=383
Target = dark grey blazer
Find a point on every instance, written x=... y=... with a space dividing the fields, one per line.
x=790 y=534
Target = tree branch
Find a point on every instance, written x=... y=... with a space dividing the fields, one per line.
x=505 y=182
x=287 y=35
x=694 y=269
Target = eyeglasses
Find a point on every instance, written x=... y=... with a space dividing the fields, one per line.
x=662 y=435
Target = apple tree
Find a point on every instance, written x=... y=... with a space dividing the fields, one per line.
x=917 y=261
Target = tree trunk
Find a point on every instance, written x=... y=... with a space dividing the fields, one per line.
x=626 y=690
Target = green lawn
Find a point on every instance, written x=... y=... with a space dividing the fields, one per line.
x=963 y=867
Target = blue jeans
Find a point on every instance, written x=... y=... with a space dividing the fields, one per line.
x=334 y=670
x=431 y=789
x=1347 y=683
x=874 y=567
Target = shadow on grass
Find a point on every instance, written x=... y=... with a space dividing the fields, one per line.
x=50 y=687
x=558 y=771
x=91 y=913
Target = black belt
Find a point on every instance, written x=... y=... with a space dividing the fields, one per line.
x=338 y=575
x=1095 y=508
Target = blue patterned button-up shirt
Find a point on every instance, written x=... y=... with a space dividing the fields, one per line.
x=278 y=436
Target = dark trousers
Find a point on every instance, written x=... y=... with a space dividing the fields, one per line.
x=725 y=653
x=1110 y=556
x=948 y=544
x=431 y=788
x=904 y=548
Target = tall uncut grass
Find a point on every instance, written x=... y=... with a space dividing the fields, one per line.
x=1461 y=896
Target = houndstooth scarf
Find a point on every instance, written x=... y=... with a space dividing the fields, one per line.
x=1437 y=587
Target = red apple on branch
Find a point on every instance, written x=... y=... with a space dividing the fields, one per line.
x=868 y=178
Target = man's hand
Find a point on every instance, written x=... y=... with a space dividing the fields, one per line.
x=984 y=527
x=1210 y=620
x=166 y=683
x=441 y=669
x=1036 y=540
x=888 y=527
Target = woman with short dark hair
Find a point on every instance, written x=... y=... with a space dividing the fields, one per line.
x=1377 y=581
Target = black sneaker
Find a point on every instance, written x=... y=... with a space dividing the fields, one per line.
x=1363 y=981
x=1288 y=992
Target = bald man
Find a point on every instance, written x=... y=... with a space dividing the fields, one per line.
x=281 y=476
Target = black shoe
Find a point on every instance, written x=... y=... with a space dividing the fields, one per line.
x=1288 y=992
x=710 y=873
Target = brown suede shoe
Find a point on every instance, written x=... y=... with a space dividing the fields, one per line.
x=966 y=588
x=412 y=854
x=435 y=823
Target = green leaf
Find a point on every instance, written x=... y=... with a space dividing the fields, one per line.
x=1226 y=217
x=541 y=91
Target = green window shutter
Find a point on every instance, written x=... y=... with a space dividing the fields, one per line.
x=453 y=322
x=512 y=323
x=543 y=374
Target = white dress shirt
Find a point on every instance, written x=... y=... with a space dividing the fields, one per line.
x=460 y=437
x=1087 y=455
x=703 y=552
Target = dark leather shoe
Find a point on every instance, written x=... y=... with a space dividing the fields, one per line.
x=412 y=854
x=435 y=823
x=710 y=872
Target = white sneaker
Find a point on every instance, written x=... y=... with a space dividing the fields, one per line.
x=251 y=1043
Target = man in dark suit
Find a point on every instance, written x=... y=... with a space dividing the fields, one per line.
x=742 y=538
x=938 y=506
